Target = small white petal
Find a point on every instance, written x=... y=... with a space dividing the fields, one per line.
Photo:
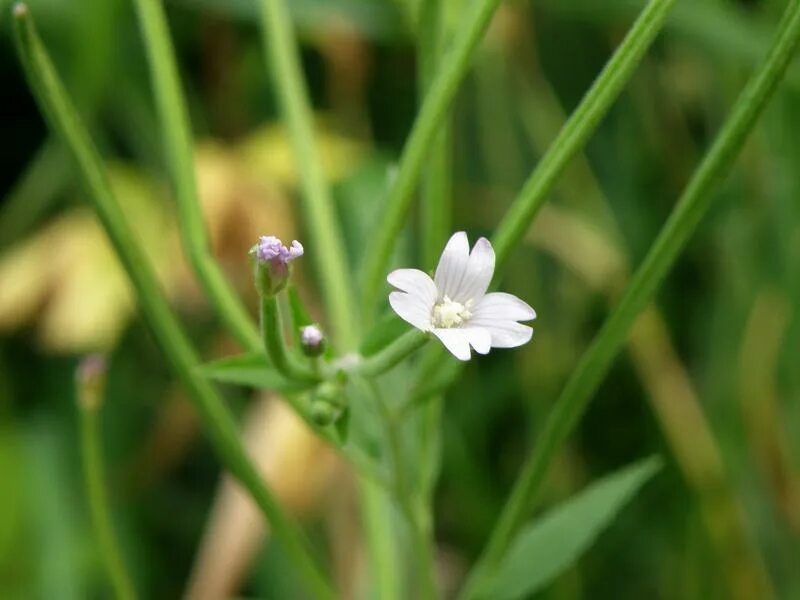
x=452 y=265
x=415 y=282
x=478 y=274
x=455 y=340
x=479 y=338
x=502 y=306
x=411 y=309
x=505 y=334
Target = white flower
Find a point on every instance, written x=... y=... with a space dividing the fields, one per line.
x=454 y=305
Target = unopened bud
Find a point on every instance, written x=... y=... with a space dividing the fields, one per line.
x=90 y=380
x=312 y=340
x=272 y=261
x=327 y=403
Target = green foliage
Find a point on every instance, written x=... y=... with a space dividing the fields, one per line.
x=250 y=370
x=553 y=542
x=498 y=118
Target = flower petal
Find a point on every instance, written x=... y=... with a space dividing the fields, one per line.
x=478 y=274
x=452 y=265
x=502 y=306
x=479 y=338
x=455 y=340
x=411 y=309
x=505 y=333
x=415 y=282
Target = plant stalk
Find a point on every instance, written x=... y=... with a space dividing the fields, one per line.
x=324 y=229
x=428 y=123
x=692 y=206
x=577 y=130
x=179 y=150
x=272 y=334
x=59 y=111
x=394 y=353
x=89 y=392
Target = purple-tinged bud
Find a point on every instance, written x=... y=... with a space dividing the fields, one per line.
x=272 y=263
x=90 y=380
x=312 y=340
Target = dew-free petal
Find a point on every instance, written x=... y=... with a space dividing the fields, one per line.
x=477 y=275
x=411 y=309
x=505 y=334
x=479 y=338
x=456 y=341
x=499 y=305
x=452 y=265
x=414 y=282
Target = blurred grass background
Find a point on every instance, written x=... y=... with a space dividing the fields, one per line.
x=711 y=380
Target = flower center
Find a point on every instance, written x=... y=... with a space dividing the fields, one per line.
x=448 y=313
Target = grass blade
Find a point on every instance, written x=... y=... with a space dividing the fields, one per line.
x=580 y=126
x=54 y=102
x=328 y=247
x=691 y=207
x=180 y=154
x=442 y=91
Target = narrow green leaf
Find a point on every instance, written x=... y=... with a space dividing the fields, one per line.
x=549 y=545
x=250 y=370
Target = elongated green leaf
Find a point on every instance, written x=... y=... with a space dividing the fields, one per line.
x=546 y=547
x=250 y=370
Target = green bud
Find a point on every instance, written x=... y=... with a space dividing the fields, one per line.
x=327 y=403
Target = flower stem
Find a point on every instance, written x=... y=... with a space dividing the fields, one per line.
x=57 y=107
x=89 y=402
x=437 y=179
x=328 y=247
x=179 y=151
x=433 y=112
x=401 y=348
x=691 y=207
x=376 y=510
x=272 y=334
x=580 y=126
x=406 y=499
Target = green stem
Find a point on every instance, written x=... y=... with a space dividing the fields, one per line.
x=179 y=150
x=89 y=402
x=580 y=126
x=57 y=107
x=327 y=248
x=437 y=181
x=376 y=511
x=401 y=348
x=272 y=334
x=406 y=500
x=429 y=121
x=692 y=206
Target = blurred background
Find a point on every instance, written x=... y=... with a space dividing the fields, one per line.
x=710 y=378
